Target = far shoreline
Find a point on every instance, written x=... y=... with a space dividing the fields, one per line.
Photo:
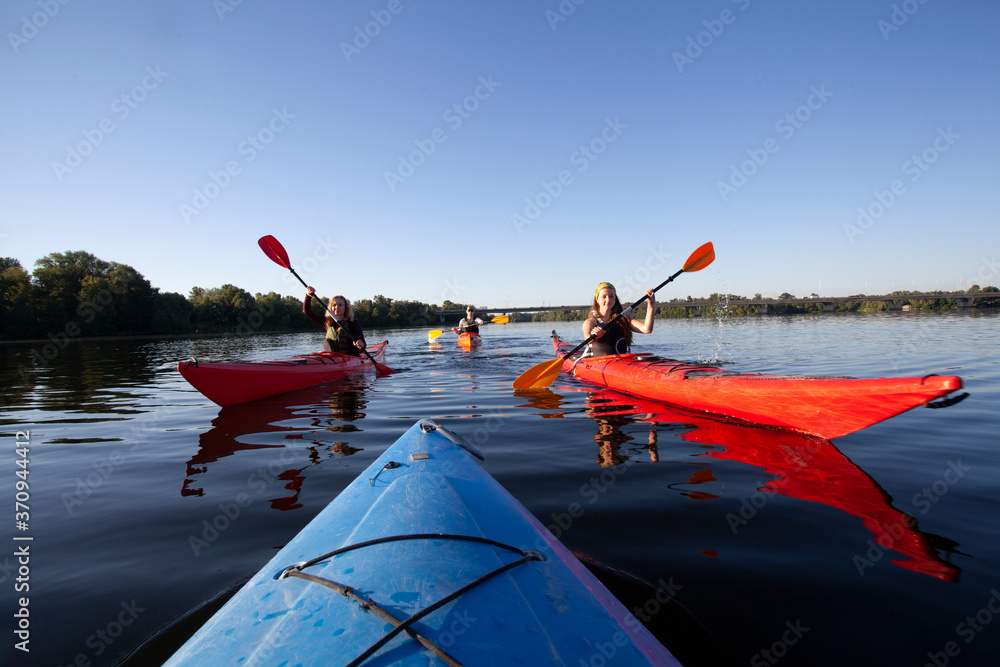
x=222 y=334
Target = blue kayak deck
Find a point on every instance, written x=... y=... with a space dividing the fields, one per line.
x=546 y=609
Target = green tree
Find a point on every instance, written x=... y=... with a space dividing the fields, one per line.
x=59 y=278
x=225 y=308
x=18 y=318
x=76 y=289
x=171 y=314
x=119 y=301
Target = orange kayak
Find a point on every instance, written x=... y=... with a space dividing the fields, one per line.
x=229 y=384
x=825 y=406
x=468 y=340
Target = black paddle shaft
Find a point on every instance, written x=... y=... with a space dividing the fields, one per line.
x=620 y=315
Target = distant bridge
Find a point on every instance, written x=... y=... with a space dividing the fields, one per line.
x=763 y=306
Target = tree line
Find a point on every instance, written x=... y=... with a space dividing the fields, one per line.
x=75 y=294
x=723 y=306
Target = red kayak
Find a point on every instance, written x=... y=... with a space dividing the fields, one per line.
x=825 y=406
x=228 y=384
x=468 y=339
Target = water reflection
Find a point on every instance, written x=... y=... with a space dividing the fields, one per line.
x=610 y=437
x=103 y=377
x=329 y=408
x=804 y=467
x=541 y=399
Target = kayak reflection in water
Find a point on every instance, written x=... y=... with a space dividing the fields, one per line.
x=270 y=431
x=344 y=334
x=803 y=467
x=470 y=323
x=617 y=338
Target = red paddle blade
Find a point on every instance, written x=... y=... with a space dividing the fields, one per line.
x=700 y=258
x=273 y=249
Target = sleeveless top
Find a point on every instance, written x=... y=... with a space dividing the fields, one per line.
x=468 y=325
x=613 y=340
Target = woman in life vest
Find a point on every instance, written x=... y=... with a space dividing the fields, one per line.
x=617 y=338
x=337 y=337
x=468 y=323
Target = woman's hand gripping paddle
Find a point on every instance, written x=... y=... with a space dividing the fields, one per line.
x=276 y=252
x=542 y=375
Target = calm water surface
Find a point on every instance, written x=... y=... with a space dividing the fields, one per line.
x=146 y=500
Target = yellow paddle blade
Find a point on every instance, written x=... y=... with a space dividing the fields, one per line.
x=434 y=333
x=700 y=258
x=539 y=376
x=500 y=319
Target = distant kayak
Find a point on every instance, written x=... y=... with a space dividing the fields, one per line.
x=423 y=560
x=825 y=406
x=468 y=339
x=231 y=383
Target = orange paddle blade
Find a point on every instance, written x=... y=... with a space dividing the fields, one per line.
x=539 y=376
x=700 y=258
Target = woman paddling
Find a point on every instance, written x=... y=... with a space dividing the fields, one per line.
x=470 y=323
x=339 y=332
x=617 y=338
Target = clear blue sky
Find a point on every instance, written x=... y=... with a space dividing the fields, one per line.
x=171 y=136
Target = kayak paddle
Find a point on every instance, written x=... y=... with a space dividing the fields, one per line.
x=276 y=252
x=499 y=319
x=542 y=375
